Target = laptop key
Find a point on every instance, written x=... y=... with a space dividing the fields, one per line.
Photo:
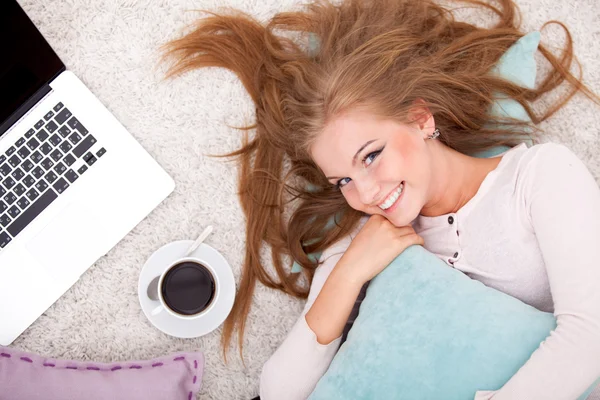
x=3 y=206
x=17 y=174
x=90 y=160
x=33 y=211
x=9 y=183
x=14 y=161
x=64 y=131
x=2 y=192
x=71 y=175
x=10 y=198
x=75 y=138
x=56 y=155
x=46 y=148
x=84 y=146
x=10 y=151
x=23 y=203
x=2 y=158
x=30 y=133
x=61 y=185
x=101 y=152
x=37 y=172
x=5 y=169
x=60 y=168
x=14 y=211
x=24 y=152
x=50 y=177
x=42 y=135
x=69 y=159
x=28 y=181
x=5 y=220
x=32 y=194
x=4 y=239
x=62 y=116
x=58 y=106
x=75 y=124
x=55 y=140
x=27 y=165
x=47 y=163
x=20 y=142
x=82 y=169
x=36 y=157
x=51 y=126
x=41 y=185
x=39 y=124
x=48 y=115
x=65 y=147
x=19 y=189
x=33 y=144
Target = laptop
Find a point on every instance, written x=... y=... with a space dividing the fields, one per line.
x=73 y=181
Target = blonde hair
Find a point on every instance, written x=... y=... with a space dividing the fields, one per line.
x=380 y=54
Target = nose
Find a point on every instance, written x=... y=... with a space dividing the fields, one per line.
x=368 y=190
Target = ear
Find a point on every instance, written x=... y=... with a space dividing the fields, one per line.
x=421 y=117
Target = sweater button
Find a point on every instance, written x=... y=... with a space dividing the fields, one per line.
x=450 y=220
x=456 y=254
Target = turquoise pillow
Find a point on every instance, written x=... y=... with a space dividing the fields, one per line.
x=427 y=331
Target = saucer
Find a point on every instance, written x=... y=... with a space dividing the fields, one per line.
x=205 y=323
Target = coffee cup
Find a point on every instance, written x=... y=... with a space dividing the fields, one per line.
x=187 y=288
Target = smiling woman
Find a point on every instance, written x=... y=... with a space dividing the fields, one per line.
x=395 y=157
x=378 y=120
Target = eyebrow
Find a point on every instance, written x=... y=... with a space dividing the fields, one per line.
x=355 y=157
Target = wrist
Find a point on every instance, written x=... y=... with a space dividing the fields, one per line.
x=345 y=273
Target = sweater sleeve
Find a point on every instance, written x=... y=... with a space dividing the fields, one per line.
x=294 y=369
x=563 y=200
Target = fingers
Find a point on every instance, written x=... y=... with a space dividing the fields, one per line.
x=405 y=230
x=410 y=239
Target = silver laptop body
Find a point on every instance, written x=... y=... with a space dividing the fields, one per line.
x=73 y=181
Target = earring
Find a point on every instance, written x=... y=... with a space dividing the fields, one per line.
x=435 y=134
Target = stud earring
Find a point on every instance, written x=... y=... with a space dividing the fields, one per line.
x=435 y=134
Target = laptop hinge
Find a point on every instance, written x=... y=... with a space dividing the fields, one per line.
x=27 y=106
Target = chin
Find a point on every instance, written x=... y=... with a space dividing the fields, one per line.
x=400 y=218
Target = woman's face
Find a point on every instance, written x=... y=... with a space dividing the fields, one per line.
x=369 y=158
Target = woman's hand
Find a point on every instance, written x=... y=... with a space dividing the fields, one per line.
x=375 y=247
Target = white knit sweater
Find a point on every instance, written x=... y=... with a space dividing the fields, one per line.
x=532 y=231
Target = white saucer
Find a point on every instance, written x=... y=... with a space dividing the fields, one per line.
x=206 y=323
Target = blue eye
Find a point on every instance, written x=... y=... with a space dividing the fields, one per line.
x=371 y=157
x=368 y=160
x=339 y=183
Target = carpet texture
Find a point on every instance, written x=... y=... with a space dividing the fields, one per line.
x=112 y=45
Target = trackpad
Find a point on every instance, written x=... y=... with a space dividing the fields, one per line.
x=70 y=243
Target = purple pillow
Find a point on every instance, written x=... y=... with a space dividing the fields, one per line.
x=29 y=376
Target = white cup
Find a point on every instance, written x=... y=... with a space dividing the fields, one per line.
x=157 y=289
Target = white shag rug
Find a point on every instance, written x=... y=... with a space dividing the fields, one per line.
x=112 y=45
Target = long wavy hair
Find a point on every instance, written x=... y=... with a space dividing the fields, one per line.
x=304 y=68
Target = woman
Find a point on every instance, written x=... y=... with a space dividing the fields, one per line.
x=375 y=128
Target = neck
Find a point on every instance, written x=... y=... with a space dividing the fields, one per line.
x=455 y=180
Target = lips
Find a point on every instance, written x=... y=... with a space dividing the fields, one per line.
x=389 y=195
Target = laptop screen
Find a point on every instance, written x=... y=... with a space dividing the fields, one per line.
x=27 y=62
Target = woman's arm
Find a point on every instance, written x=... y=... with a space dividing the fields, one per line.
x=564 y=208
x=294 y=369
x=329 y=313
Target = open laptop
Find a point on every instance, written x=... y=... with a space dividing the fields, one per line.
x=73 y=181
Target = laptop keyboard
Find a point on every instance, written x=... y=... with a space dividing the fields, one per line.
x=36 y=169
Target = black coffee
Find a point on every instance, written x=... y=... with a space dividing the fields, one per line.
x=188 y=288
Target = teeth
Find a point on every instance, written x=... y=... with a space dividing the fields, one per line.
x=392 y=198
